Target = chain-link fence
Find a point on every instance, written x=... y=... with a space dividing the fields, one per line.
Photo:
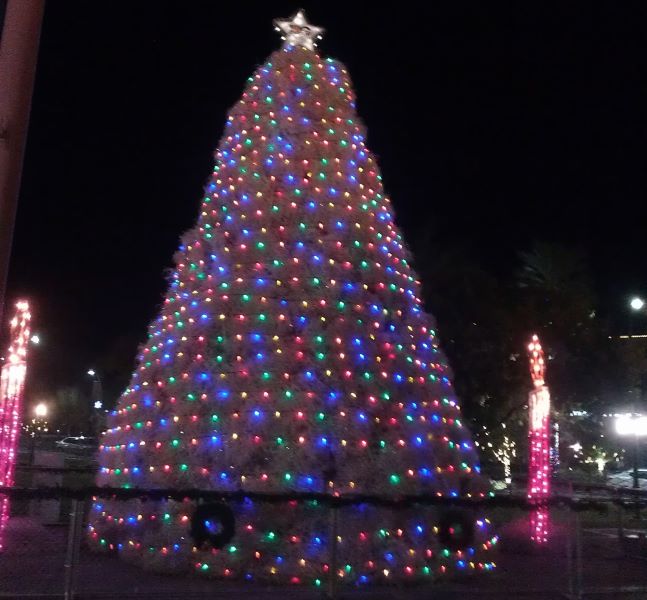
x=596 y=549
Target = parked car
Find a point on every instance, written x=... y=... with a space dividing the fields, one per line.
x=77 y=443
x=625 y=479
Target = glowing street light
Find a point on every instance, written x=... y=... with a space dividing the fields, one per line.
x=636 y=426
x=637 y=303
x=91 y=372
x=35 y=339
x=576 y=447
x=631 y=425
x=40 y=410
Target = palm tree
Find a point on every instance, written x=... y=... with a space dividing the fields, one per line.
x=553 y=267
x=556 y=294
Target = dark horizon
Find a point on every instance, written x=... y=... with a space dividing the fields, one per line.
x=499 y=127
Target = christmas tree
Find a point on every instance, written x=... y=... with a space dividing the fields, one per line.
x=292 y=355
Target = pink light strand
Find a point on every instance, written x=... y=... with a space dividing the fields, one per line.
x=12 y=384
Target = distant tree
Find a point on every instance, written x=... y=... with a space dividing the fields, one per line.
x=590 y=371
x=116 y=364
x=72 y=411
x=477 y=331
x=553 y=267
x=555 y=299
x=485 y=321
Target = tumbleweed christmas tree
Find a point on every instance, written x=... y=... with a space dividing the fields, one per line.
x=292 y=355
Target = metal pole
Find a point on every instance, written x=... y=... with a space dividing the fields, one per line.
x=18 y=56
x=73 y=545
x=569 y=561
x=97 y=405
x=332 y=579
x=635 y=453
x=32 y=448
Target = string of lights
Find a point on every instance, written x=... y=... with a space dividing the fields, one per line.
x=12 y=383
x=539 y=443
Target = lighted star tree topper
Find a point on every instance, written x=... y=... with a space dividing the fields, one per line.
x=292 y=354
x=539 y=469
x=12 y=384
x=298 y=32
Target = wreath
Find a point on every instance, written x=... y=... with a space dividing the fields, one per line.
x=456 y=529
x=213 y=523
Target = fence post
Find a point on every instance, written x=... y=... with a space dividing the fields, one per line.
x=578 y=557
x=569 y=554
x=73 y=544
x=621 y=530
x=332 y=579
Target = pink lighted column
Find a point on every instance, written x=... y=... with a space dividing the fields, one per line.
x=538 y=443
x=12 y=383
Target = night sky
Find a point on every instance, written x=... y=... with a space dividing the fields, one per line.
x=492 y=126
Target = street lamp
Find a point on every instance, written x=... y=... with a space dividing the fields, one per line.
x=35 y=339
x=97 y=396
x=636 y=426
x=637 y=303
x=39 y=424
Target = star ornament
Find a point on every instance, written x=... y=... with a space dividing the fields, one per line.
x=298 y=32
